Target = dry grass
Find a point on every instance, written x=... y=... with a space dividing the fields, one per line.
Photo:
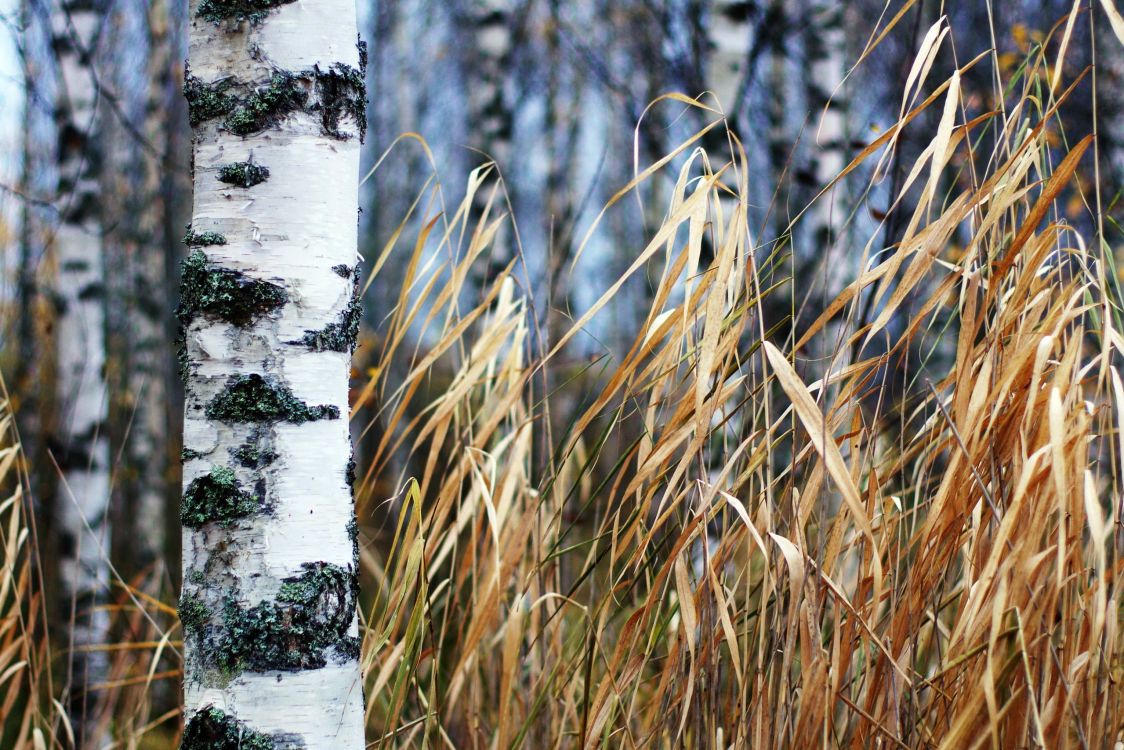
x=30 y=717
x=710 y=539
x=689 y=545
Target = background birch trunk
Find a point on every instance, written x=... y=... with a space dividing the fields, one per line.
x=825 y=49
x=276 y=97
x=82 y=446
x=731 y=31
x=149 y=369
x=491 y=114
x=825 y=45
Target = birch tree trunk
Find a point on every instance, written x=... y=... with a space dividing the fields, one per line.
x=490 y=112
x=825 y=44
x=731 y=36
x=269 y=313
x=82 y=447
x=489 y=108
x=148 y=372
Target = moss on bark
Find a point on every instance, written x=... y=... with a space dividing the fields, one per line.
x=253 y=398
x=205 y=101
x=334 y=95
x=267 y=105
x=217 y=497
x=252 y=456
x=193 y=613
x=341 y=335
x=225 y=294
x=212 y=729
x=243 y=174
x=302 y=628
x=342 y=93
x=202 y=239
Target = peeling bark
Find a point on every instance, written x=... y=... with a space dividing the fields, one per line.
x=276 y=101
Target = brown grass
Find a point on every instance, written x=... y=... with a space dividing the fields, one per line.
x=690 y=545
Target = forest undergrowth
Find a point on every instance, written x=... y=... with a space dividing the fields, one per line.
x=892 y=523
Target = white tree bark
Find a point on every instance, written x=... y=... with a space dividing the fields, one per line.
x=825 y=44
x=490 y=113
x=275 y=95
x=82 y=448
x=489 y=106
x=730 y=31
x=826 y=50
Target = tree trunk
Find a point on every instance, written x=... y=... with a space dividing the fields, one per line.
x=826 y=255
x=149 y=349
x=731 y=37
x=489 y=106
x=269 y=313
x=82 y=447
x=491 y=117
x=825 y=44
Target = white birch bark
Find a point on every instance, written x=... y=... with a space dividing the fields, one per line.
x=82 y=447
x=268 y=605
x=730 y=31
x=489 y=109
x=826 y=49
x=825 y=44
x=490 y=114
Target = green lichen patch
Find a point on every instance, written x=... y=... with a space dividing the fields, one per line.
x=305 y=625
x=206 y=101
x=252 y=456
x=243 y=174
x=342 y=93
x=253 y=398
x=267 y=105
x=196 y=577
x=217 y=497
x=202 y=239
x=194 y=614
x=341 y=335
x=225 y=294
x=183 y=362
x=353 y=535
x=211 y=728
x=253 y=11
x=336 y=337
x=188 y=454
x=333 y=95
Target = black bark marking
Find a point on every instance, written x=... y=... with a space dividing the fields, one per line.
x=253 y=11
x=334 y=95
x=225 y=294
x=253 y=398
x=211 y=728
x=217 y=497
x=243 y=174
x=302 y=628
